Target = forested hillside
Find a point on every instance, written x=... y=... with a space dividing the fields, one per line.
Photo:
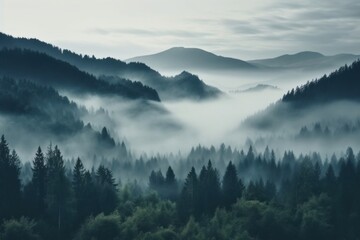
x=167 y=88
x=327 y=98
x=41 y=68
x=304 y=197
x=343 y=84
x=39 y=112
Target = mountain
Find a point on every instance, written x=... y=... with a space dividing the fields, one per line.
x=190 y=59
x=41 y=68
x=306 y=60
x=257 y=88
x=329 y=98
x=39 y=112
x=166 y=88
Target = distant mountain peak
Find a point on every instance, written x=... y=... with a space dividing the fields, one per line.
x=189 y=58
x=306 y=60
x=257 y=88
x=308 y=54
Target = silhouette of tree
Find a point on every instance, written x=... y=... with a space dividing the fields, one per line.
x=39 y=182
x=10 y=192
x=232 y=186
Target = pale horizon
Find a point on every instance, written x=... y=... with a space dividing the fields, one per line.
x=238 y=29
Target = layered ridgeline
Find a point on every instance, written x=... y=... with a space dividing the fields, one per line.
x=181 y=86
x=329 y=104
x=39 y=112
x=41 y=68
x=190 y=59
x=306 y=60
x=257 y=88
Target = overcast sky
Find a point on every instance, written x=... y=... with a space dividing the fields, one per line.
x=237 y=28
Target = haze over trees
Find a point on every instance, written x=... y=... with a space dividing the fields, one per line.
x=315 y=96
x=68 y=171
x=45 y=70
x=302 y=197
x=181 y=87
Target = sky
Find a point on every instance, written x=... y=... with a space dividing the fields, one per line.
x=236 y=28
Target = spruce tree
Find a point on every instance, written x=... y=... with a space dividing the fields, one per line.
x=58 y=188
x=232 y=187
x=78 y=178
x=10 y=185
x=39 y=182
x=187 y=204
x=106 y=190
x=78 y=188
x=171 y=186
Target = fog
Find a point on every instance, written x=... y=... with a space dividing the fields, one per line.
x=148 y=127
x=172 y=126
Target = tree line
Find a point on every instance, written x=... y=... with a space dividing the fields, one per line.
x=300 y=197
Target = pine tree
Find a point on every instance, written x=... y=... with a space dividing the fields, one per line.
x=209 y=189
x=39 y=182
x=188 y=202
x=330 y=183
x=78 y=178
x=10 y=185
x=106 y=190
x=58 y=188
x=171 y=186
x=232 y=187
x=78 y=183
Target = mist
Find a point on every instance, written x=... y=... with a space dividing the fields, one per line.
x=171 y=126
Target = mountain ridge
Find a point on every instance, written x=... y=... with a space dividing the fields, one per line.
x=41 y=68
x=183 y=58
x=306 y=59
x=111 y=66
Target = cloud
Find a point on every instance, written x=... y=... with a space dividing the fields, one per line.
x=150 y=33
x=327 y=26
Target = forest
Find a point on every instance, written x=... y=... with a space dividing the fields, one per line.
x=181 y=86
x=255 y=195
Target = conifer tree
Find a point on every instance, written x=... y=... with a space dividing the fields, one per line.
x=188 y=201
x=78 y=185
x=39 y=182
x=232 y=186
x=10 y=185
x=58 y=188
x=171 y=185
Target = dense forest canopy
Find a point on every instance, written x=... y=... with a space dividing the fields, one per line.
x=302 y=197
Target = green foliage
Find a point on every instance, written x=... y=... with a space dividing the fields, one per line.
x=192 y=230
x=307 y=199
x=22 y=229
x=149 y=218
x=101 y=227
x=162 y=234
x=315 y=218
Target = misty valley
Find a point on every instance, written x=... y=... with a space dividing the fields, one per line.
x=181 y=144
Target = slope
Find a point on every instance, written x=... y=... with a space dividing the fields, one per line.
x=306 y=60
x=41 y=68
x=39 y=112
x=111 y=66
x=180 y=58
x=324 y=99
